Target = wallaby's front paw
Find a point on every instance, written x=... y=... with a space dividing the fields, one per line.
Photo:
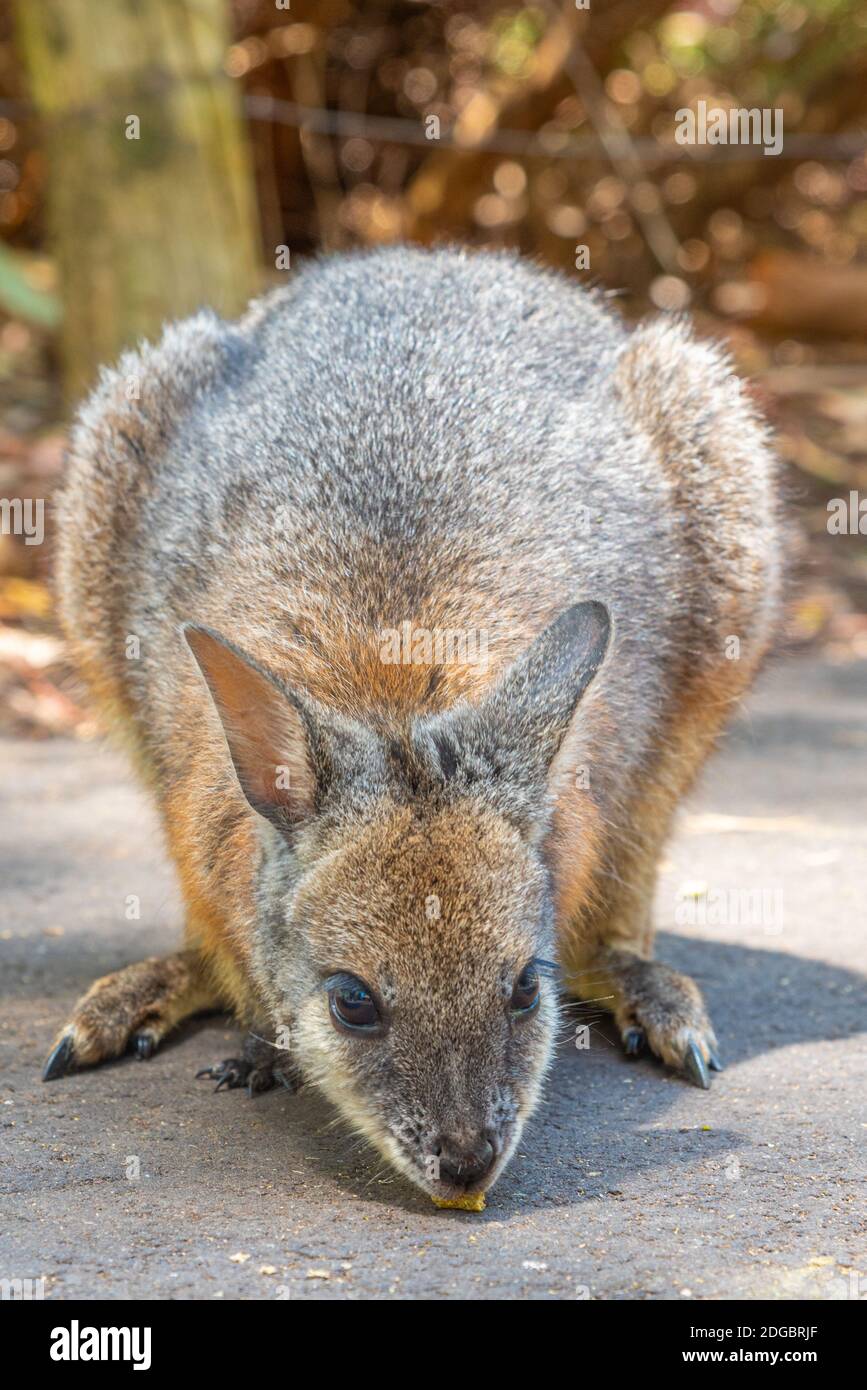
x=658 y=1007
x=233 y=1072
x=132 y=1009
x=261 y=1067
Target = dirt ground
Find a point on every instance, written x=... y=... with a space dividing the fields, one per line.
x=629 y=1184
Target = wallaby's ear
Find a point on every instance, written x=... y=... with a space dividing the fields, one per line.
x=545 y=684
x=268 y=737
x=509 y=740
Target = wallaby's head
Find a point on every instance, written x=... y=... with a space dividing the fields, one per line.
x=405 y=910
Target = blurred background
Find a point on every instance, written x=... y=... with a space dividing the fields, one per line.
x=161 y=155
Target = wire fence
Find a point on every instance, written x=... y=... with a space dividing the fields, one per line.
x=401 y=130
x=559 y=145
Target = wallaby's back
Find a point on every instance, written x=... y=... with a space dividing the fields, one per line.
x=462 y=441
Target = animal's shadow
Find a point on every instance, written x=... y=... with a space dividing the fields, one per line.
x=589 y=1133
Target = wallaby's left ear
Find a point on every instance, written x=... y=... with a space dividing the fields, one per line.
x=269 y=739
x=512 y=736
x=545 y=684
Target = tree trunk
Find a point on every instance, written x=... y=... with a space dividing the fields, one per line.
x=151 y=202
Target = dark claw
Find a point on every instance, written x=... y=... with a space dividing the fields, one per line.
x=260 y=1079
x=61 y=1061
x=634 y=1042
x=143 y=1045
x=694 y=1065
x=230 y=1073
x=291 y=1080
x=715 y=1063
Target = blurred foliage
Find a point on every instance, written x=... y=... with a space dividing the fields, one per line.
x=474 y=67
x=473 y=64
x=556 y=132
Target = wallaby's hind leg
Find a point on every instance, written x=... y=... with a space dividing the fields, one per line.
x=606 y=949
x=133 y=1009
x=711 y=449
x=713 y=452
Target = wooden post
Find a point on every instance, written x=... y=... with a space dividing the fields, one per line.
x=151 y=199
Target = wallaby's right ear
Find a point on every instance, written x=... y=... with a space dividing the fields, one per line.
x=268 y=737
x=509 y=740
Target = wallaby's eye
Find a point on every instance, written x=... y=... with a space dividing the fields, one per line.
x=353 y=1008
x=525 y=995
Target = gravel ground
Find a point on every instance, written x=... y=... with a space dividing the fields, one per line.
x=629 y=1184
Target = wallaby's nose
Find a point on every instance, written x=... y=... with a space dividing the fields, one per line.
x=461 y=1163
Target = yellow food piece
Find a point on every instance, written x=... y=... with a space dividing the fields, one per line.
x=471 y=1201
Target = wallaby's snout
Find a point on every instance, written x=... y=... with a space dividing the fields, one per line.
x=464 y=1162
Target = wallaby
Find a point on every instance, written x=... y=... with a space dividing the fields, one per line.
x=421 y=593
